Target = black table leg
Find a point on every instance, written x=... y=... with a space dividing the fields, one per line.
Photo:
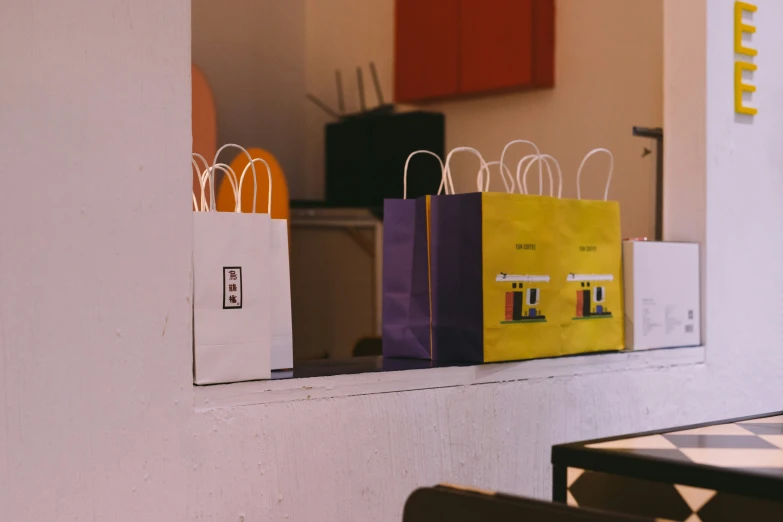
x=559 y=483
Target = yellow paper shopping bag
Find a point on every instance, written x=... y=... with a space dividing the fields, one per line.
x=591 y=263
x=519 y=275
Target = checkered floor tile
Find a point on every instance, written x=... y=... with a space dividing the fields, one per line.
x=663 y=501
x=754 y=445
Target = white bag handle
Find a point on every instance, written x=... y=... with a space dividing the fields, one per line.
x=503 y=170
x=196 y=207
x=538 y=159
x=217 y=154
x=232 y=177
x=549 y=158
x=210 y=175
x=608 y=179
x=236 y=184
x=255 y=187
x=520 y=184
x=204 y=163
x=442 y=173
x=203 y=177
x=447 y=170
x=538 y=153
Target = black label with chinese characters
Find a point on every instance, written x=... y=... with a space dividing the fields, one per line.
x=232 y=287
x=588 y=248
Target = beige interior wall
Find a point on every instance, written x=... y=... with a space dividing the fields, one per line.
x=332 y=293
x=609 y=69
x=344 y=35
x=252 y=53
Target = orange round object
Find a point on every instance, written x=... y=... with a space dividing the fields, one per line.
x=204 y=123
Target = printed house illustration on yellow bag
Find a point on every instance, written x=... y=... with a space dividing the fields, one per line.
x=523 y=298
x=590 y=314
x=590 y=295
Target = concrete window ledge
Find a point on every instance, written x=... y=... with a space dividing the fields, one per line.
x=265 y=392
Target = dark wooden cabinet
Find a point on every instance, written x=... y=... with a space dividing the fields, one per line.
x=449 y=48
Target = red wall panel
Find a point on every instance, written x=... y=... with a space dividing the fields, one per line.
x=426 y=49
x=449 y=48
x=543 y=43
x=496 y=45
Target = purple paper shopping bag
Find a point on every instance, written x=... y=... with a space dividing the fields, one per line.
x=406 y=285
x=458 y=327
x=456 y=300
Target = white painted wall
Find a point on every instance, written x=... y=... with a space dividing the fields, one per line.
x=95 y=254
x=96 y=409
x=685 y=109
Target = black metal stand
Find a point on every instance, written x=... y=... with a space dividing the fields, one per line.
x=657 y=135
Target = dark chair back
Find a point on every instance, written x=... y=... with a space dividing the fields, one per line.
x=368 y=346
x=452 y=504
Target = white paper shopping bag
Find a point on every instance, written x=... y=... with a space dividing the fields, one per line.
x=280 y=281
x=282 y=334
x=231 y=288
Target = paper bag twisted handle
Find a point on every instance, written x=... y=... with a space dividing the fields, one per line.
x=538 y=153
x=217 y=154
x=546 y=158
x=442 y=173
x=608 y=178
x=482 y=168
x=255 y=187
x=503 y=170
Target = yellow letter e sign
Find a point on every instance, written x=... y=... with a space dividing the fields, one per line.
x=740 y=66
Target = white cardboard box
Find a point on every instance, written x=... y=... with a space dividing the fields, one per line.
x=661 y=294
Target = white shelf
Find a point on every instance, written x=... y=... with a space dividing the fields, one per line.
x=265 y=392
